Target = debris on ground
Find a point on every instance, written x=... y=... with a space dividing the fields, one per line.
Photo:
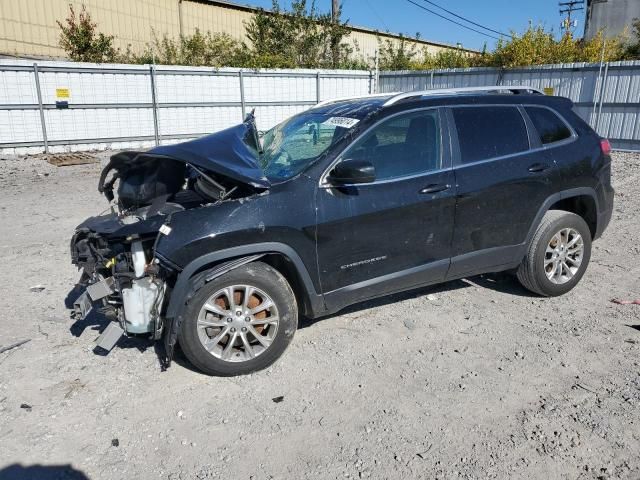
x=626 y=302
x=278 y=399
x=14 y=345
x=25 y=406
x=73 y=158
x=37 y=288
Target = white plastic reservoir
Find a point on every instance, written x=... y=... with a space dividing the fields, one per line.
x=141 y=297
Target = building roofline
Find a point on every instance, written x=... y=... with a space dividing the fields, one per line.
x=355 y=28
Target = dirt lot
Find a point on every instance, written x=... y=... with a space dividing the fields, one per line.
x=471 y=379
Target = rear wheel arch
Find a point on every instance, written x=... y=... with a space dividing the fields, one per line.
x=555 y=202
x=583 y=205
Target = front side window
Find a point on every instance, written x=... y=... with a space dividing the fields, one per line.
x=489 y=132
x=549 y=126
x=404 y=145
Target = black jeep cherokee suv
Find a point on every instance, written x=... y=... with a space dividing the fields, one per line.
x=220 y=243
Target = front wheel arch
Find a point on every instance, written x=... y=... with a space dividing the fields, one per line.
x=303 y=285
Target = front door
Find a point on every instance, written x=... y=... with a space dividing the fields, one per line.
x=395 y=232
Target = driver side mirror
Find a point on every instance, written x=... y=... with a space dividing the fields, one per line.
x=352 y=171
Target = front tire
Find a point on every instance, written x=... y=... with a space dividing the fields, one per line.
x=239 y=322
x=558 y=254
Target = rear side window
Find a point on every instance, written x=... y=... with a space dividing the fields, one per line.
x=549 y=126
x=489 y=132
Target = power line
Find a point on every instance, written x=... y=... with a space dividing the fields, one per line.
x=467 y=20
x=375 y=12
x=452 y=21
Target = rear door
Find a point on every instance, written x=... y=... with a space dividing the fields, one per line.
x=395 y=232
x=503 y=177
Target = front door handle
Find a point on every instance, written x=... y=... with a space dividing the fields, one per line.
x=435 y=188
x=539 y=167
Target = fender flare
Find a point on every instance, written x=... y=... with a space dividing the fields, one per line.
x=556 y=197
x=235 y=257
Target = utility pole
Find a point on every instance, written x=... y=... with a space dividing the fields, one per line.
x=568 y=8
x=335 y=10
x=335 y=18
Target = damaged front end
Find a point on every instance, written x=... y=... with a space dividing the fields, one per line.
x=122 y=276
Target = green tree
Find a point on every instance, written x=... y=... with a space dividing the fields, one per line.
x=82 y=42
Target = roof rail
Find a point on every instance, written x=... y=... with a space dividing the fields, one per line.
x=372 y=95
x=453 y=91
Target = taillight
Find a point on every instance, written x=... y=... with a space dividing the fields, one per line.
x=605 y=146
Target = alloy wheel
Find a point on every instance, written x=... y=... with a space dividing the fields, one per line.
x=238 y=323
x=563 y=256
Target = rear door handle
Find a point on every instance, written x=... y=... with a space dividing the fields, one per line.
x=539 y=167
x=435 y=188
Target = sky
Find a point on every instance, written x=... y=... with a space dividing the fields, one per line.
x=400 y=16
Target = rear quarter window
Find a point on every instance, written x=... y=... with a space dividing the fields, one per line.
x=550 y=127
x=489 y=132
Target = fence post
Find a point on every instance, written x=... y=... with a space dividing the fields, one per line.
x=242 y=102
x=318 y=87
x=370 y=82
x=431 y=79
x=377 y=73
x=43 y=122
x=602 y=92
x=154 y=104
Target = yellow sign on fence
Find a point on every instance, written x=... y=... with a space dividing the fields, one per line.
x=548 y=90
x=62 y=93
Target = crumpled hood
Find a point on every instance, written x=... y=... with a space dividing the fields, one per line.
x=227 y=153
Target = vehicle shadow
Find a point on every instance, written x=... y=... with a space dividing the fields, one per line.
x=502 y=282
x=97 y=322
x=73 y=294
x=41 y=472
x=387 y=300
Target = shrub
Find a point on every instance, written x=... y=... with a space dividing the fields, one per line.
x=632 y=50
x=81 y=40
x=198 y=49
x=398 y=54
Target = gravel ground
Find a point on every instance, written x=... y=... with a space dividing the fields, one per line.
x=471 y=379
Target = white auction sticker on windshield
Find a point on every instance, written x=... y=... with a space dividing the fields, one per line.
x=344 y=122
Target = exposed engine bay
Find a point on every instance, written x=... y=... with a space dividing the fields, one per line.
x=115 y=251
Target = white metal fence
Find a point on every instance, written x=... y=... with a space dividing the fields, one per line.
x=60 y=106
x=607 y=96
x=128 y=106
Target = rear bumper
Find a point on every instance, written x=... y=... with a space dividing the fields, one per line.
x=605 y=211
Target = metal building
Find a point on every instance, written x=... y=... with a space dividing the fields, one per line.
x=28 y=27
x=612 y=16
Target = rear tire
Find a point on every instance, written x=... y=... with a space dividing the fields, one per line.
x=558 y=254
x=240 y=322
